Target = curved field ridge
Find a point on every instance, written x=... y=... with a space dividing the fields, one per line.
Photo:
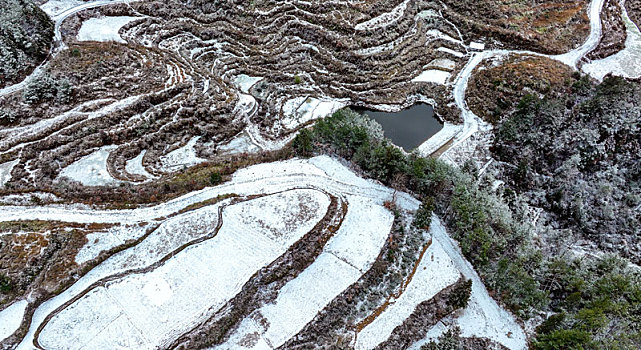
x=150 y=309
x=180 y=273
x=349 y=253
x=435 y=272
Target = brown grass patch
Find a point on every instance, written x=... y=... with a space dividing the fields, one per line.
x=495 y=90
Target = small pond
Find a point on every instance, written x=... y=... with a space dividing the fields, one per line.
x=407 y=128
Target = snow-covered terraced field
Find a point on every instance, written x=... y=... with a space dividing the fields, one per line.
x=190 y=263
x=155 y=307
x=348 y=254
x=224 y=80
x=91 y=170
x=435 y=272
x=11 y=318
x=181 y=267
x=103 y=29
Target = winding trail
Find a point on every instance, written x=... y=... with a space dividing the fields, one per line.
x=473 y=123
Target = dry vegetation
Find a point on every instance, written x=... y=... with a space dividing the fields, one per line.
x=39 y=257
x=495 y=90
x=95 y=71
x=547 y=26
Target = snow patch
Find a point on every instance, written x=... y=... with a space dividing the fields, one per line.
x=433 y=76
x=134 y=166
x=103 y=28
x=5 y=171
x=300 y=110
x=91 y=170
x=242 y=143
x=182 y=157
x=11 y=318
x=244 y=82
x=55 y=7
x=451 y=52
x=477 y=46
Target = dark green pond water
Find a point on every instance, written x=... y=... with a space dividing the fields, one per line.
x=407 y=128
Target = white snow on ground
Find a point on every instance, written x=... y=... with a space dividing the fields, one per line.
x=29 y=198
x=98 y=242
x=182 y=157
x=427 y=14
x=296 y=305
x=103 y=28
x=194 y=282
x=362 y=233
x=471 y=122
x=626 y=63
x=347 y=255
x=320 y=172
x=300 y=110
x=451 y=52
x=477 y=46
x=5 y=171
x=56 y=7
x=385 y=19
x=435 y=272
x=483 y=317
x=433 y=76
x=244 y=82
x=171 y=235
x=241 y=143
x=11 y=318
x=91 y=170
x=447 y=133
x=134 y=166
